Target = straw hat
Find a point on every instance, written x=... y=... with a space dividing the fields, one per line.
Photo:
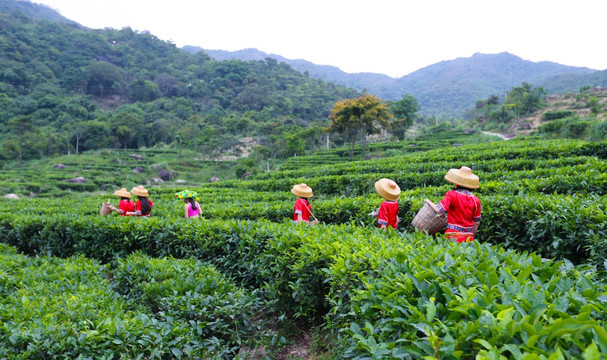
x=462 y=177
x=140 y=191
x=122 y=193
x=388 y=189
x=302 y=190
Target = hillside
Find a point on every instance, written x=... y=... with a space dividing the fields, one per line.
x=33 y=11
x=580 y=115
x=449 y=87
x=65 y=88
x=571 y=83
x=374 y=83
x=246 y=282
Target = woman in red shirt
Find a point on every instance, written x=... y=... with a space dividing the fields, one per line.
x=463 y=208
x=143 y=207
x=302 y=209
x=387 y=215
x=125 y=205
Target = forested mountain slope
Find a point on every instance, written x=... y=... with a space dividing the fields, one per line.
x=449 y=87
x=65 y=88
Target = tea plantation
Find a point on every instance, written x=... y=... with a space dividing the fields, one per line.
x=78 y=285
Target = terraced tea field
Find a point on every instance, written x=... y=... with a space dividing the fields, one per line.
x=533 y=285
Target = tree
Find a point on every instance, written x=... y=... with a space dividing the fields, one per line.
x=21 y=125
x=103 y=78
x=179 y=141
x=127 y=127
x=404 y=112
x=358 y=118
x=526 y=99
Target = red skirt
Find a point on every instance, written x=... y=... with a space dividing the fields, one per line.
x=459 y=236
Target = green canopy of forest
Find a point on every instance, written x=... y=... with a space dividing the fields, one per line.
x=66 y=88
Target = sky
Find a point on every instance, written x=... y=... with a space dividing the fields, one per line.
x=392 y=37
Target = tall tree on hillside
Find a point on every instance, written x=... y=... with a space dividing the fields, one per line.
x=404 y=111
x=103 y=78
x=127 y=127
x=20 y=126
x=358 y=118
x=525 y=98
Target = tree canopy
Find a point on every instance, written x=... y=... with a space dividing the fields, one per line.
x=358 y=118
x=61 y=74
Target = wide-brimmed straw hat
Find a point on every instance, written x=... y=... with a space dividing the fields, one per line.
x=140 y=191
x=463 y=177
x=387 y=189
x=302 y=190
x=122 y=193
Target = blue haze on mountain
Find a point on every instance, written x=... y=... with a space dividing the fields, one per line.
x=449 y=87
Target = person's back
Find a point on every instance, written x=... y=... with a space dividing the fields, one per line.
x=462 y=207
x=193 y=212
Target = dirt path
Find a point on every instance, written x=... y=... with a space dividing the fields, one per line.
x=496 y=134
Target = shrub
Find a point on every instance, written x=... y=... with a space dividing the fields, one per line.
x=557 y=114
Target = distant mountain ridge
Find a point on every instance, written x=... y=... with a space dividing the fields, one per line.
x=34 y=11
x=449 y=87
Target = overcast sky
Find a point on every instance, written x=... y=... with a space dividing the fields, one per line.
x=382 y=36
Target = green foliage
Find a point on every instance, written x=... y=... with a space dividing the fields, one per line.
x=382 y=294
x=404 y=111
x=452 y=302
x=525 y=99
x=358 y=118
x=71 y=81
x=55 y=308
x=557 y=114
x=573 y=127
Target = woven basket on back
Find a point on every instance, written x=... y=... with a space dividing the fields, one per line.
x=429 y=219
x=105 y=209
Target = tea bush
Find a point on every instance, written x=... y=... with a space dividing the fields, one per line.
x=381 y=294
x=67 y=308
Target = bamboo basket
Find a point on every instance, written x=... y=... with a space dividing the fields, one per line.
x=429 y=219
x=106 y=208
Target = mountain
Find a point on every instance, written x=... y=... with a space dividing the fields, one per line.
x=449 y=87
x=454 y=86
x=572 y=83
x=371 y=81
x=33 y=11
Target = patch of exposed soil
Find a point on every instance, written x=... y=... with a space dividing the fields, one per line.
x=571 y=102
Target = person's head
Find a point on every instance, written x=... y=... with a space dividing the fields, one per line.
x=191 y=202
x=188 y=196
x=388 y=189
x=302 y=190
x=463 y=178
x=123 y=194
x=142 y=196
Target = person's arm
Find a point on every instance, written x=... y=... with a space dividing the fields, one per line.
x=135 y=211
x=298 y=210
x=199 y=209
x=443 y=205
x=185 y=211
x=119 y=210
x=477 y=217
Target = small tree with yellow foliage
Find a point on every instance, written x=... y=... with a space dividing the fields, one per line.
x=358 y=118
